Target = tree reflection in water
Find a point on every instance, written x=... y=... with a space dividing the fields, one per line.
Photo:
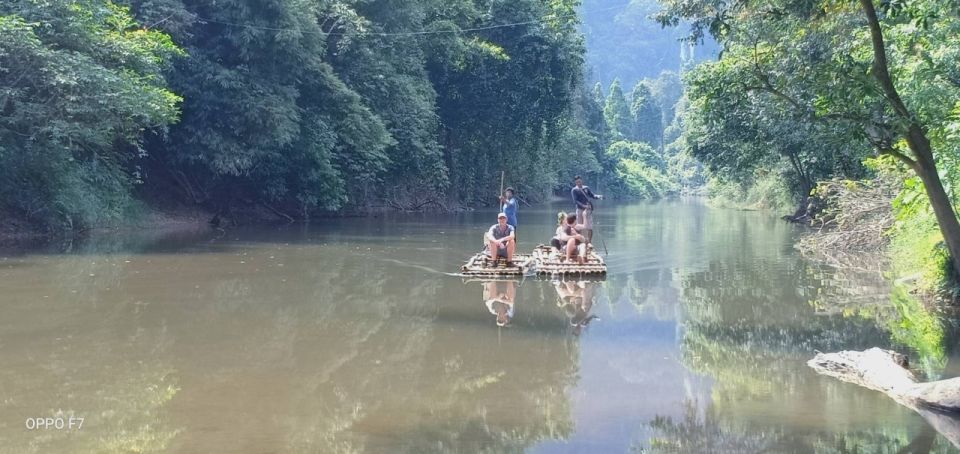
x=753 y=334
x=710 y=432
x=260 y=346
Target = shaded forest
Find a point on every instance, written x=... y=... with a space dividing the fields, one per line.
x=290 y=109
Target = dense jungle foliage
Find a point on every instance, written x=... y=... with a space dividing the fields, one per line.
x=299 y=107
x=807 y=91
x=295 y=108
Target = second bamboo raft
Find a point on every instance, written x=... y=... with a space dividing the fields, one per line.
x=549 y=262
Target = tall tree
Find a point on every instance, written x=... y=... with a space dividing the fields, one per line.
x=840 y=72
x=79 y=83
x=505 y=94
x=266 y=119
x=616 y=112
x=648 y=123
x=389 y=72
x=666 y=89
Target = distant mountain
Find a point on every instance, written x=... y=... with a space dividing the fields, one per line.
x=624 y=42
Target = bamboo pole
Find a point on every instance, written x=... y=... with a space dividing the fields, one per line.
x=501 y=187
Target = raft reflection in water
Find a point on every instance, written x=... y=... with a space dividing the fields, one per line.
x=576 y=299
x=499 y=297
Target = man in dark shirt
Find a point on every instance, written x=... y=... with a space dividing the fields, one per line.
x=581 y=198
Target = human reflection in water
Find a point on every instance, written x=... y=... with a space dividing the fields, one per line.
x=576 y=298
x=499 y=296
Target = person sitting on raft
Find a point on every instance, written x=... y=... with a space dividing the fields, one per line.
x=555 y=241
x=501 y=240
x=569 y=241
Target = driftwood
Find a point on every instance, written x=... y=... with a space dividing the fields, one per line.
x=937 y=402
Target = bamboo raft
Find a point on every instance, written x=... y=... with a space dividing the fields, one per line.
x=480 y=265
x=549 y=263
x=544 y=261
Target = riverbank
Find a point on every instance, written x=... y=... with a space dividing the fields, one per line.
x=16 y=233
x=874 y=218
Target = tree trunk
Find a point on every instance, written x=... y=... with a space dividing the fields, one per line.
x=923 y=162
x=942 y=209
x=806 y=184
x=882 y=370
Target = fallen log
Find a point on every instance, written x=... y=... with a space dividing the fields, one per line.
x=937 y=402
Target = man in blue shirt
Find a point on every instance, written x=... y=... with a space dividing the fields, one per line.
x=581 y=198
x=508 y=205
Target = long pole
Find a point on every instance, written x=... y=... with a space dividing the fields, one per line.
x=501 y=183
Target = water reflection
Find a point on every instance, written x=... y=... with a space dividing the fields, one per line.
x=705 y=430
x=753 y=335
x=255 y=346
x=576 y=299
x=348 y=337
x=500 y=297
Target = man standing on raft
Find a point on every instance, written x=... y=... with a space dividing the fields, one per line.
x=508 y=206
x=581 y=198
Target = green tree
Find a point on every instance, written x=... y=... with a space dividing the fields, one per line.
x=79 y=83
x=667 y=89
x=504 y=97
x=266 y=120
x=389 y=72
x=648 y=126
x=866 y=72
x=616 y=112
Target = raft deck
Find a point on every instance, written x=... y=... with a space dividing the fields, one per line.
x=549 y=263
x=480 y=265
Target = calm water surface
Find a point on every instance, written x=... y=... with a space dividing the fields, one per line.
x=354 y=337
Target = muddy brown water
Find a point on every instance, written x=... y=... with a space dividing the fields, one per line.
x=353 y=336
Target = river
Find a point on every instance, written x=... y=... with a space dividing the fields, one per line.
x=352 y=335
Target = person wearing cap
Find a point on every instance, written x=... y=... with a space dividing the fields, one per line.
x=499 y=297
x=501 y=240
x=508 y=205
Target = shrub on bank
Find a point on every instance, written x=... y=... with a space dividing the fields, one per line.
x=768 y=192
x=916 y=245
x=889 y=214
